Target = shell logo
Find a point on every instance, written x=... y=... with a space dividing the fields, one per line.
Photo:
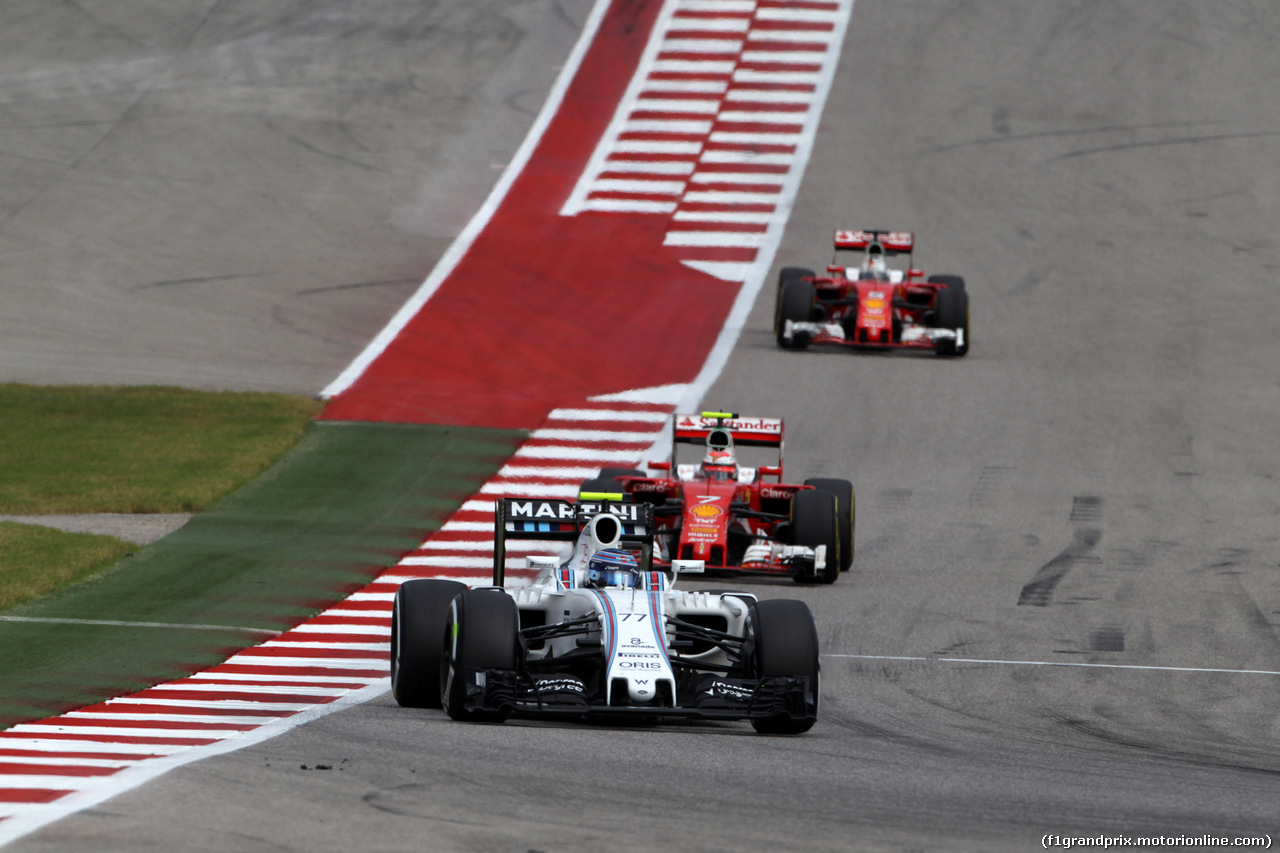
x=706 y=511
x=874 y=304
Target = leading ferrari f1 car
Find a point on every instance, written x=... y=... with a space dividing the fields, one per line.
x=601 y=634
x=729 y=516
x=869 y=305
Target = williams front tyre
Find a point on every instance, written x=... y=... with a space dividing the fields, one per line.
x=784 y=642
x=417 y=640
x=482 y=634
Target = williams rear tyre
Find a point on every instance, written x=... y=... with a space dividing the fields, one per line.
x=795 y=303
x=951 y=311
x=417 y=640
x=482 y=632
x=846 y=514
x=814 y=522
x=784 y=642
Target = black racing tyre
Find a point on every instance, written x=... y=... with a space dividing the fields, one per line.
x=417 y=640
x=796 y=304
x=784 y=642
x=788 y=274
x=482 y=631
x=846 y=514
x=953 y=282
x=814 y=522
x=951 y=311
x=615 y=473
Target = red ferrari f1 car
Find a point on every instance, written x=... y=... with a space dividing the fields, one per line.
x=869 y=305
x=729 y=516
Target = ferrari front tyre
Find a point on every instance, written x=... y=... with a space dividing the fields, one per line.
x=482 y=632
x=417 y=640
x=788 y=274
x=785 y=643
x=846 y=509
x=814 y=522
x=795 y=303
x=951 y=311
x=952 y=282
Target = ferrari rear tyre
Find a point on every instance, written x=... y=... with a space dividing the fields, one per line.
x=846 y=514
x=814 y=522
x=785 y=643
x=482 y=632
x=951 y=311
x=795 y=303
x=786 y=276
x=417 y=640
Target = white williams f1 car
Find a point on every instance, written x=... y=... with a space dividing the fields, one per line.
x=601 y=634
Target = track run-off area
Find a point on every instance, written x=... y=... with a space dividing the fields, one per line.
x=1062 y=618
x=678 y=134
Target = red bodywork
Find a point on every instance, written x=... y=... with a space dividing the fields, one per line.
x=697 y=518
x=861 y=307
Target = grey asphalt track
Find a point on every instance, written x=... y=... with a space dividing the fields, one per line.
x=1096 y=483
x=239 y=195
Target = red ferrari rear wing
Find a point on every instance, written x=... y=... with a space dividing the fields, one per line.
x=746 y=432
x=893 y=242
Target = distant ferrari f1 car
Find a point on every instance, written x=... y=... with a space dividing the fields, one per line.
x=601 y=634
x=728 y=516
x=870 y=305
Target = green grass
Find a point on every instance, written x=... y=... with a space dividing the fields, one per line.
x=36 y=561
x=331 y=506
x=137 y=449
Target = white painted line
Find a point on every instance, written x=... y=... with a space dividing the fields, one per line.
x=701 y=46
x=694 y=66
x=749 y=75
x=122 y=624
x=612 y=185
x=738 y=178
x=755 y=138
x=790 y=57
x=746 y=218
x=607 y=414
x=768 y=96
x=802 y=15
x=669 y=127
x=789 y=117
x=1082 y=664
x=617 y=205
x=716 y=239
x=653 y=146
x=747 y=158
x=725 y=6
x=716 y=87
x=723 y=25
x=592 y=436
x=732 y=198
x=816 y=36
x=652 y=167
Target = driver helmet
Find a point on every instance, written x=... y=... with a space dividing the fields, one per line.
x=613 y=567
x=875 y=262
x=719 y=464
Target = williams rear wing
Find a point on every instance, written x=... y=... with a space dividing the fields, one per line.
x=559 y=520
